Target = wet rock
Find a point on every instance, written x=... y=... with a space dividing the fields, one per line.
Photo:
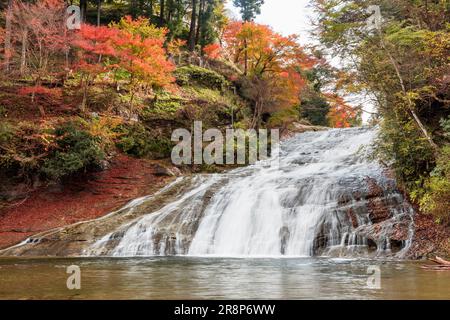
x=352 y=217
x=161 y=171
x=378 y=210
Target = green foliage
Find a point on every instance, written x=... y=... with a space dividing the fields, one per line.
x=249 y=8
x=29 y=149
x=190 y=75
x=436 y=200
x=212 y=20
x=426 y=178
x=402 y=65
x=76 y=150
x=23 y=147
x=314 y=107
x=165 y=105
x=409 y=153
x=445 y=124
x=137 y=141
x=282 y=118
x=315 y=110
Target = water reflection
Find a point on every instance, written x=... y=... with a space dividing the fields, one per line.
x=201 y=278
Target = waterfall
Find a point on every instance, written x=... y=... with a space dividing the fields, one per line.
x=317 y=201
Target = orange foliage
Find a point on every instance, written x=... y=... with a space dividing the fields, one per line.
x=139 y=48
x=40 y=90
x=273 y=64
x=213 y=51
x=144 y=57
x=174 y=46
x=341 y=115
x=267 y=51
x=95 y=43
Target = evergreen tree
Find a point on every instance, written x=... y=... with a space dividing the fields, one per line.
x=249 y=8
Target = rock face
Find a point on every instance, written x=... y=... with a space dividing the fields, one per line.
x=377 y=228
x=385 y=229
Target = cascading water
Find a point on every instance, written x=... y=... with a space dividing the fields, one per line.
x=317 y=201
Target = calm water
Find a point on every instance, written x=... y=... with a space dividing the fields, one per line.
x=201 y=278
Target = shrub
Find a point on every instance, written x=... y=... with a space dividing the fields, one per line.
x=445 y=124
x=135 y=140
x=164 y=106
x=23 y=147
x=76 y=150
x=315 y=110
x=436 y=200
x=282 y=118
x=189 y=75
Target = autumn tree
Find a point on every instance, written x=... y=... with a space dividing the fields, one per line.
x=139 y=49
x=93 y=44
x=213 y=51
x=174 y=48
x=341 y=114
x=249 y=10
x=41 y=41
x=273 y=64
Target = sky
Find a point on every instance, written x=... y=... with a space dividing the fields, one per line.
x=284 y=16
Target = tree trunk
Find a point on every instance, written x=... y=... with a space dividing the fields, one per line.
x=193 y=24
x=141 y=7
x=83 y=10
x=8 y=36
x=245 y=57
x=162 y=5
x=23 y=56
x=201 y=13
x=441 y=261
x=256 y=121
x=99 y=11
x=150 y=10
x=169 y=11
x=83 y=106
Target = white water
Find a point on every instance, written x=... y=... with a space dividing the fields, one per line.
x=294 y=209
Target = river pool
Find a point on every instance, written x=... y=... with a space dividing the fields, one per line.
x=221 y=278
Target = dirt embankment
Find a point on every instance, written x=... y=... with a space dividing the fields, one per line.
x=83 y=198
